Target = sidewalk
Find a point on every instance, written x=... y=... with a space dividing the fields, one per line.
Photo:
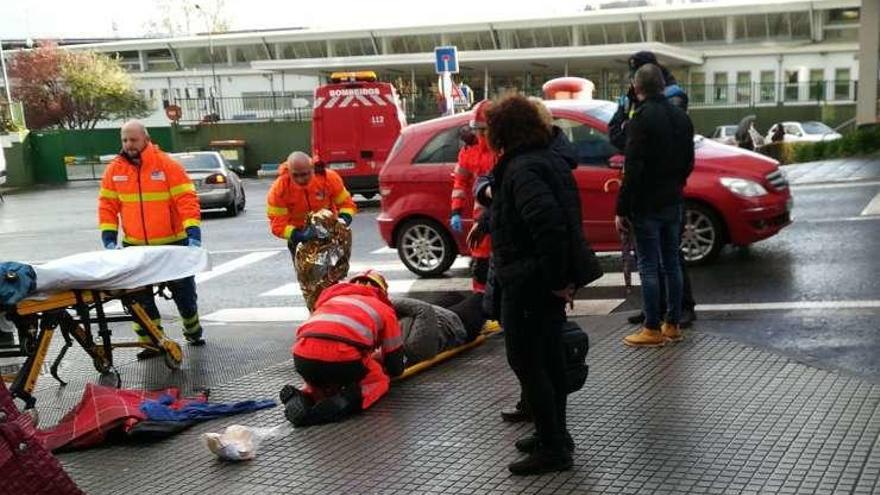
x=706 y=416
x=839 y=170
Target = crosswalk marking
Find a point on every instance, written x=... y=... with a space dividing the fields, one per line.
x=384 y=250
x=398 y=266
x=235 y=264
x=582 y=307
x=404 y=286
x=873 y=207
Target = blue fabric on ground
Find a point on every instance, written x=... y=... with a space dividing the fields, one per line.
x=160 y=410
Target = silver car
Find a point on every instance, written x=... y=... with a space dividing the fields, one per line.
x=217 y=182
x=725 y=134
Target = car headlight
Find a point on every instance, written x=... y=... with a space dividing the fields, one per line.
x=743 y=187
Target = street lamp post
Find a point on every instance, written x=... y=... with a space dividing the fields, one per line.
x=5 y=76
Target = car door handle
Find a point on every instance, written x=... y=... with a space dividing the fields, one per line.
x=612 y=183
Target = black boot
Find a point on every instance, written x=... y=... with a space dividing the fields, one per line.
x=530 y=443
x=541 y=461
x=517 y=414
x=296 y=407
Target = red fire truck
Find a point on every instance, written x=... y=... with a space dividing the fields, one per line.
x=355 y=123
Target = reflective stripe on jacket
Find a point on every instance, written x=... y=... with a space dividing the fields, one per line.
x=155 y=201
x=288 y=204
x=354 y=314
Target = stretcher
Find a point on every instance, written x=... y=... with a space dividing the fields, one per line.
x=71 y=297
x=74 y=314
x=449 y=353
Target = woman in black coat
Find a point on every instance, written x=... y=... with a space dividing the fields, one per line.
x=535 y=200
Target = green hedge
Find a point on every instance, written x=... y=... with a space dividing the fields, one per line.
x=861 y=141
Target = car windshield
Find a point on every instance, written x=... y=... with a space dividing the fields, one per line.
x=816 y=128
x=193 y=161
x=729 y=130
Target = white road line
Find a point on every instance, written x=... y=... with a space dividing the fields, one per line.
x=777 y=306
x=404 y=286
x=398 y=266
x=873 y=207
x=384 y=250
x=251 y=250
x=834 y=185
x=235 y=264
x=582 y=307
x=837 y=220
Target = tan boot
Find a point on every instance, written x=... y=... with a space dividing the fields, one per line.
x=671 y=332
x=645 y=337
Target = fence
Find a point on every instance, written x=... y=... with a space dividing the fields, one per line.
x=419 y=106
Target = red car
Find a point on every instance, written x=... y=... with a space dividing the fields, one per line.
x=732 y=197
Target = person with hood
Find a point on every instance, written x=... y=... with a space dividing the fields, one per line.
x=347 y=352
x=538 y=249
x=617 y=134
x=154 y=200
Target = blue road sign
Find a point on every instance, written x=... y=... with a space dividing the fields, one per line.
x=446 y=59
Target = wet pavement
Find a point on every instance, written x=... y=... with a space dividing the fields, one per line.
x=760 y=399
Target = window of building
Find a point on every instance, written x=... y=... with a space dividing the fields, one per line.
x=475 y=40
x=779 y=25
x=697 y=90
x=671 y=31
x=442 y=148
x=632 y=32
x=693 y=30
x=743 y=86
x=842 y=34
x=422 y=43
x=849 y=15
x=593 y=34
x=715 y=27
x=720 y=87
x=593 y=146
x=792 y=78
x=817 y=84
x=614 y=33
x=800 y=24
x=300 y=49
x=768 y=86
x=192 y=57
x=353 y=47
x=841 y=84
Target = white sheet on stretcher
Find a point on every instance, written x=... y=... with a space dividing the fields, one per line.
x=128 y=268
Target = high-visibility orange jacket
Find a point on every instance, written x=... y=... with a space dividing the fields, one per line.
x=473 y=161
x=288 y=203
x=155 y=201
x=350 y=322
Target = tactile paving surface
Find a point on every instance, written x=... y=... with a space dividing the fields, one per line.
x=705 y=416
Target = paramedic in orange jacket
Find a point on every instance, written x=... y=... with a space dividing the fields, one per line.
x=346 y=352
x=300 y=189
x=156 y=203
x=474 y=160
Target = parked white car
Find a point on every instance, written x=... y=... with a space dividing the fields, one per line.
x=804 y=132
x=725 y=134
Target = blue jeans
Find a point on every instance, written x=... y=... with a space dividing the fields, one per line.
x=658 y=236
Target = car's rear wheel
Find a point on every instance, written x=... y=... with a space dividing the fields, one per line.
x=242 y=200
x=703 y=234
x=425 y=247
x=232 y=207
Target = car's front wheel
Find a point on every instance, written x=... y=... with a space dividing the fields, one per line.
x=703 y=234
x=425 y=247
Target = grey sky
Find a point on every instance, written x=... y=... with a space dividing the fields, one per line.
x=97 y=18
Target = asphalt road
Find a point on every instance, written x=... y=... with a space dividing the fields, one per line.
x=810 y=292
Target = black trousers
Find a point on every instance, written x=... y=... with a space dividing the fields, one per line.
x=532 y=329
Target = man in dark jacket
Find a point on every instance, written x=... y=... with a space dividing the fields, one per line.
x=617 y=134
x=535 y=203
x=659 y=158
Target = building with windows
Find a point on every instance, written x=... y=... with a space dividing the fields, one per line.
x=790 y=52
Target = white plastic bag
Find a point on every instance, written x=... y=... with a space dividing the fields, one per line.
x=240 y=443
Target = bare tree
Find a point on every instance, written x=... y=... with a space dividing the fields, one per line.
x=187 y=17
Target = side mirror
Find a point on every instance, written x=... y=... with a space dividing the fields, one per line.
x=616 y=161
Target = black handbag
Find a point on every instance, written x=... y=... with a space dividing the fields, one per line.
x=575 y=346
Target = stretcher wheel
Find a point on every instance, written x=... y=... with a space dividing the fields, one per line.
x=172 y=354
